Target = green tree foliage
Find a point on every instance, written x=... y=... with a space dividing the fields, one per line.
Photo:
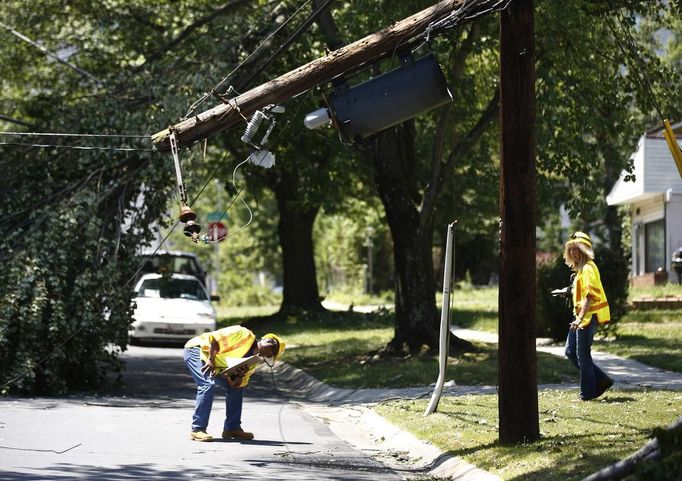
x=591 y=105
x=75 y=218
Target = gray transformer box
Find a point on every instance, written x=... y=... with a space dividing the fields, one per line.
x=389 y=99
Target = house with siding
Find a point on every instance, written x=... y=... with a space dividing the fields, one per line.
x=654 y=200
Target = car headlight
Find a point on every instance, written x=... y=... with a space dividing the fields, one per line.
x=205 y=315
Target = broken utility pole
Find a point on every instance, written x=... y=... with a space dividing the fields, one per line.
x=364 y=51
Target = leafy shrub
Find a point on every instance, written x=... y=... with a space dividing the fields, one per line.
x=64 y=315
x=668 y=466
x=68 y=253
x=553 y=314
x=614 y=268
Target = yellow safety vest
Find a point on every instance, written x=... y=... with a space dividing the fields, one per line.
x=587 y=284
x=233 y=342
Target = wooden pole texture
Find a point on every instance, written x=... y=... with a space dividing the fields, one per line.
x=517 y=364
x=301 y=79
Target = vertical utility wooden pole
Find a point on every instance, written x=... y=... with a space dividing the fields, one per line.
x=517 y=364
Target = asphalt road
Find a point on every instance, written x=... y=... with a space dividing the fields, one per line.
x=142 y=432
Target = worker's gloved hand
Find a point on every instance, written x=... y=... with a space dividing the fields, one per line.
x=208 y=368
x=235 y=379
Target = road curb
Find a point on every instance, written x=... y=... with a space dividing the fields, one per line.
x=348 y=413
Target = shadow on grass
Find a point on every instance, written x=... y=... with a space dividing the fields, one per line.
x=569 y=462
x=313 y=321
x=353 y=362
x=476 y=319
x=573 y=468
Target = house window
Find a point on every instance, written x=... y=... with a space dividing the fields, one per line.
x=654 y=245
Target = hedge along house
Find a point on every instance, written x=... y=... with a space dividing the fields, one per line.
x=655 y=203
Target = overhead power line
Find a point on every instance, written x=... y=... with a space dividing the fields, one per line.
x=15 y=121
x=68 y=134
x=76 y=136
x=77 y=147
x=54 y=56
x=214 y=89
x=292 y=38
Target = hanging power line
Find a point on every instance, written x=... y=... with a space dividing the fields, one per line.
x=68 y=134
x=54 y=56
x=469 y=10
x=77 y=147
x=214 y=89
x=7 y=118
x=629 y=50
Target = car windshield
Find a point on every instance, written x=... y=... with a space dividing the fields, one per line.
x=172 y=289
x=171 y=263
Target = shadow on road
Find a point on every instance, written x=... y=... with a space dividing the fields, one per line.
x=159 y=372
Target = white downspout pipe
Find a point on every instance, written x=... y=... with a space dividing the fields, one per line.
x=444 y=321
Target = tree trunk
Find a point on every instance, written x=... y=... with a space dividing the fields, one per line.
x=393 y=155
x=295 y=229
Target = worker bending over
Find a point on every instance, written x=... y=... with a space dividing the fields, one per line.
x=207 y=357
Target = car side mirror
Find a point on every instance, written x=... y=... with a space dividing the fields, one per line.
x=215 y=298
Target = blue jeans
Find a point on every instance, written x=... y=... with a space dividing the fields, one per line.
x=579 y=351
x=205 y=391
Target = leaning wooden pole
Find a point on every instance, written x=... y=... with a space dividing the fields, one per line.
x=301 y=79
x=517 y=363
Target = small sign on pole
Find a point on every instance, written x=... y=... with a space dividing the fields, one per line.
x=217 y=231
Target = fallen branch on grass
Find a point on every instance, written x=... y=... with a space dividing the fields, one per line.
x=627 y=466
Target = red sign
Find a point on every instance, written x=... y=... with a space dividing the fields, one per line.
x=217 y=231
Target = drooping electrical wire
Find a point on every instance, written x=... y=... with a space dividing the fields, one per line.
x=469 y=10
x=217 y=86
x=77 y=147
x=633 y=61
x=54 y=56
x=70 y=134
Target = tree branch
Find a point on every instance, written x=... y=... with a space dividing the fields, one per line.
x=625 y=467
x=461 y=148
x=433 y=189
x=159 y=52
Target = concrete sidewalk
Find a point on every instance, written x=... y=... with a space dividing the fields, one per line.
x=625 y=372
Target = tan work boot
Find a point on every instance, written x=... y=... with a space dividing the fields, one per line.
x=237 y=434
x=200 y=436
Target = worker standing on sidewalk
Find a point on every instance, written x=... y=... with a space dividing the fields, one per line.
x=591 y=308
x=206 y=355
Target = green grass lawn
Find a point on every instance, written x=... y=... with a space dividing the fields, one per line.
x=653 y=337
x=227 y=315
x=577 y=438
x=663 y=290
